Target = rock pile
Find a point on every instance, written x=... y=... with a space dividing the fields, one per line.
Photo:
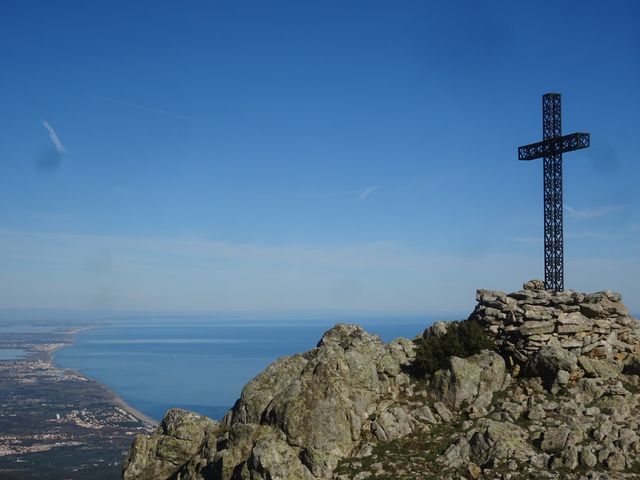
x=549 y=331
x=558 y=398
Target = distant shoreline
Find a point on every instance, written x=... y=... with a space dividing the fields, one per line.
x=129 y=409
x=114 y=397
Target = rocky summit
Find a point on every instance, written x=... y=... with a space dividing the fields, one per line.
x=556 y=396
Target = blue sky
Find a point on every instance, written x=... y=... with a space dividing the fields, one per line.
x=359 y=156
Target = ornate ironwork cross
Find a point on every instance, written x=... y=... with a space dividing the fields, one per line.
x=551 y=149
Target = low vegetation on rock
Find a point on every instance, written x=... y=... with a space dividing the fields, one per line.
x=452 y=339
x=535 y=385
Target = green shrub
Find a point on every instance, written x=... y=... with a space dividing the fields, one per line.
x=462 y=339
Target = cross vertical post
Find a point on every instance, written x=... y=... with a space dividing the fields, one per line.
x=551 y=149
x=553 y=231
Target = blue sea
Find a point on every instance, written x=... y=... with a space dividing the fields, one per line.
x=11 y=353
x=200 y=364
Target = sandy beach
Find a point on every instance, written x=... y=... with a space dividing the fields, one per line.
x=131 y=410
x=115 y=398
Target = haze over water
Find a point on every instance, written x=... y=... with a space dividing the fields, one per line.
x=200 y=364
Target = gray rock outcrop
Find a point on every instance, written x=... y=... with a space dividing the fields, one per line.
x=470 y=379
x=559 y=396
x=308 y=411
x=184 y=440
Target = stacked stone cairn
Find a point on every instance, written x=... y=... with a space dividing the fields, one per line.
x=593 y=326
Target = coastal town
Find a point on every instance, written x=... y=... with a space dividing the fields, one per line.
x=55 y=420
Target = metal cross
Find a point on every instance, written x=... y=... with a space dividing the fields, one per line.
x=551 y=148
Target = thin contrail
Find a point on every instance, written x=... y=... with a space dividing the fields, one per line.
x=54 y=137
x=148 y=109
x=367 y=191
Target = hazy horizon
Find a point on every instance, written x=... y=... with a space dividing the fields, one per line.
x=300 y=156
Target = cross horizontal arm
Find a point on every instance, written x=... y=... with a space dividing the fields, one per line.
x=567 y=143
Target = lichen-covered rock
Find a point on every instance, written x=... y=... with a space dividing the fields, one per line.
x=466 y=379
x=321 y=407
x=425 y=414
x=498 y=440
x=296 y=419
x=555 y=439
x=181 y=436
x=438 y=329
x=535 y=284
x=489 y=441
x=567 y=371
x=547 y=362
x=603 y=368
x=392 y=423
x=259 y=392
x=273 y=458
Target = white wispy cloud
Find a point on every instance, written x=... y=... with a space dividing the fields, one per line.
x=192 y=274
x=358 y=194
x=595 y=212
x=367 y=191
x=145 y=108
x=594 y=235
x=55 y=139
x=535 y=240
x=156 y=273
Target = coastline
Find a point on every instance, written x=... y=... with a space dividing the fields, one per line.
x=113 y=396
x=56 y=422
x=128 y=408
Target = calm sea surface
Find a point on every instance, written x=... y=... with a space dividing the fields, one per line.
x=11 y=353
x=198 y=364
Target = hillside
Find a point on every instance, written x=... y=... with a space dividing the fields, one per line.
x=555 y=395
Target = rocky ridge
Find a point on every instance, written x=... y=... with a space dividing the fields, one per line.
x=558 y=398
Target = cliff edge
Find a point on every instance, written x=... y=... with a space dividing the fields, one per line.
x=555 y=396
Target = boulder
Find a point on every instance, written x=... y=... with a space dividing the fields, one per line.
x=587 y=458
x=555 y=439
x=490 y=441
x=392 y=423
x=272 y=457
x=534 y=284
x=181 y=436
x=425 y=414
x=498 y=440
x=467 y=378
x=438 y=329
x=321 y=400
x=603 y=368
x=456 y=454
x=548 y=361
x=442 y=410
x=617 y=407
